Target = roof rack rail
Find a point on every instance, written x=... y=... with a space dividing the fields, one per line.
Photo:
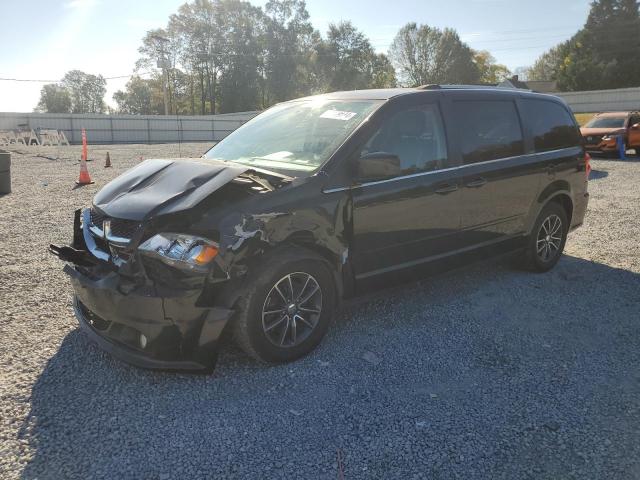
x=455 y=86
x=471 y=86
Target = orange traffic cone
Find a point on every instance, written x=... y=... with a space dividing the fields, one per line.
x=107 y=162
x=84 y=145
x=84 y=178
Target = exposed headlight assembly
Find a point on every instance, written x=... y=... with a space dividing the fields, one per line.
x=181 y=250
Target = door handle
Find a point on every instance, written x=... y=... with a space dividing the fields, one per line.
x=446 y=188
x=476 y=183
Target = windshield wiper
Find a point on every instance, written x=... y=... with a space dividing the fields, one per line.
x=263 y=182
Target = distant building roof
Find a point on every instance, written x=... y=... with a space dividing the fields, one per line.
x=513 y=82
x=542 y=86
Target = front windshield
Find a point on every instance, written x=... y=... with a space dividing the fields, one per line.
x=606 y=122
x=295 y=136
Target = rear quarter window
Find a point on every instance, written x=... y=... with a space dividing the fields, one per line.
x=552 y=126
x=489 y=129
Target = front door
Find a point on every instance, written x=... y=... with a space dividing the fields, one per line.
x=633 y=140
x=403 y=221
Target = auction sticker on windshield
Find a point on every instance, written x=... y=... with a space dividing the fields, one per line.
x=338 y=115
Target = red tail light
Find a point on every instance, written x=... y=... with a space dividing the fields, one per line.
x=587 y=164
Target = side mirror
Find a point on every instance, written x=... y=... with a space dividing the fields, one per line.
x=378 y=166
x=635 y=126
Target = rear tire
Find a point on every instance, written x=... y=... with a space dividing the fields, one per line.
x=547 y=239
x=286 y=307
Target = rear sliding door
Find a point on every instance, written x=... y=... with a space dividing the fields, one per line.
x=499 y=181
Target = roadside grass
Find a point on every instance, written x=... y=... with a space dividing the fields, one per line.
x=583 y=118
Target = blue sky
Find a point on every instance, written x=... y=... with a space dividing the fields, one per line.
x=47 y=38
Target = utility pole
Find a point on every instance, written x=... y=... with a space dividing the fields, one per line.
x=163 y=63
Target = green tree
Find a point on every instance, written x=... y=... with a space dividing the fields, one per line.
x=289 y=38
x=160 y=49
x=140 y=97
x=241 y=56
x=547 y=65
x=198 y=28
x=488 y=69
x=602 y=55
x=86 y=91
x=54 y=98
x=383 y=74
x=228 y=55
x=423 y=55
x=347 y=59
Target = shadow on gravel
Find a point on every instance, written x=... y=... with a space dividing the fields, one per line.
x=481 y=373
x=598 y=174
x=629 y=158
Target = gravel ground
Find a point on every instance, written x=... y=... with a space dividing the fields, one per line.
x=486 y=372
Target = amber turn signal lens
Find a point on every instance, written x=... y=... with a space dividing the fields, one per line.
x=206 y=254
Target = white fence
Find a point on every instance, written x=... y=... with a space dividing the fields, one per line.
x=208 y=128
x=603 y=100
x=104 y=129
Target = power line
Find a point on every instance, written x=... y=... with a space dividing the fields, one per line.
x=622 y=30
x=34 y=80
x=605 y=50
x=556 y=29
x=499 y=37
x=27 y=80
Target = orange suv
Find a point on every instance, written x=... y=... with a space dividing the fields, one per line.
x=601 y=132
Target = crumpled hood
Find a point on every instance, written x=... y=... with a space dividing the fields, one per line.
x=159 y=187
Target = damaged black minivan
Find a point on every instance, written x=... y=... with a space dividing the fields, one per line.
x=311 y=202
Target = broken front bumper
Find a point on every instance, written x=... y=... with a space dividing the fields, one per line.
x=149 y=331
x=137 y=320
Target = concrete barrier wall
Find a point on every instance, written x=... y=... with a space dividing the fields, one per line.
x=603 y=100
x=105 y=129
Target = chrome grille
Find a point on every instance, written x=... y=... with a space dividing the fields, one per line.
x=120 y=231
x=123 y=228
x=96 y=217
x=108 y=236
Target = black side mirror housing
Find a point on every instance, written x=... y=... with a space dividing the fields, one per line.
x=378 y=166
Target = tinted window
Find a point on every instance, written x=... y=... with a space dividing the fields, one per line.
x=606 y=122
x=416 y=136
x=552 y=127
x=488 y=130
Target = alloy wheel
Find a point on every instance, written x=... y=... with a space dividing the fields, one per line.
x=549 y=238
x=292 y=309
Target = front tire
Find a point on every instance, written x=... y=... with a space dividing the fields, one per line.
x=286 y=307
x=548 y=237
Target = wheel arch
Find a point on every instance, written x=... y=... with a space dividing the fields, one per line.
x=300 y=243
x=565 y=201
x=305 y=241
x=559 y=192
